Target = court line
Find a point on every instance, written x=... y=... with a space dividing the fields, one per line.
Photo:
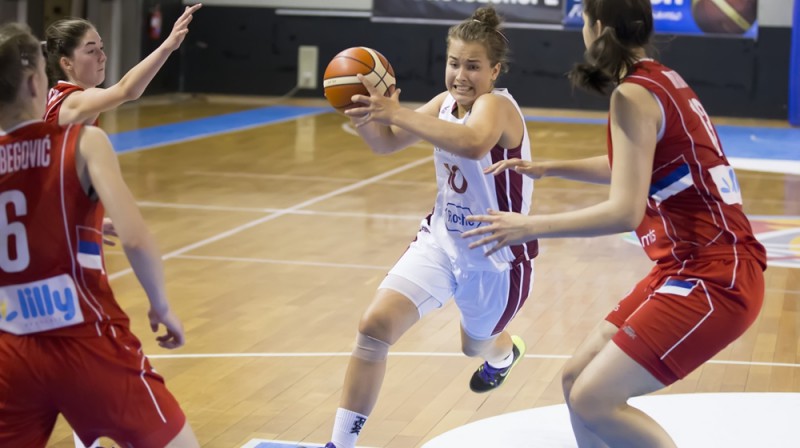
x=418 y=354
x=290 y=262
x=154 y=204
x=289 y=177
x=278 y=214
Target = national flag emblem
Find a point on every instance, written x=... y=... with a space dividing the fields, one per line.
x=90 y=248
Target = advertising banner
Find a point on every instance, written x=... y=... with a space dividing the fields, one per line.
x=516 y=13
x=699 y=17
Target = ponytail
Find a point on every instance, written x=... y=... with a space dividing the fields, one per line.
x=607 y=60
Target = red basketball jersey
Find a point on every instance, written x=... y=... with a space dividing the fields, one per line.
x=694 y=207
x=52 y=274
x=56 y=97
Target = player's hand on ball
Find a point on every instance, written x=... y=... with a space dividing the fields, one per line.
x=503 y=229
x=375 y=107
x=534 y=170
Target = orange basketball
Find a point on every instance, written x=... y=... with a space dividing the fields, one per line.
x=725 y=16
x=340 y=82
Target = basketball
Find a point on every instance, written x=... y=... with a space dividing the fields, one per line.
x=340 y=82
x=725 y=16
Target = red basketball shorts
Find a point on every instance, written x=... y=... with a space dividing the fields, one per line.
x=103 y=386
x=678 y=317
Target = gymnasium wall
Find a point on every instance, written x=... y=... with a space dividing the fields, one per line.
x=239 y=49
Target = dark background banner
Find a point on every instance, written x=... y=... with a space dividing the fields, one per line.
x=516 y=13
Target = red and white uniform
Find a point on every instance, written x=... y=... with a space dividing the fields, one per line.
x=56 y=97
x=58 y=315
x=707 y=286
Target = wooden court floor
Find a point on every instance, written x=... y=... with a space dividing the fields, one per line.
x=276 y=237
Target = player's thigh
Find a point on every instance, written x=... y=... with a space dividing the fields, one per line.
x=116 y=393
x=489 y=301
x=27 y=415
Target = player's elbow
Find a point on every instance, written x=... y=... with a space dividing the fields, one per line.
x=622 y=216
x=382 y=150
x=629 y=219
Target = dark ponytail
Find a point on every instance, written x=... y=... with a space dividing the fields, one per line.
x=627 y=25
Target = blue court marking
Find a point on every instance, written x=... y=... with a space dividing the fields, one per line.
x=737 y=141
x=209 y=126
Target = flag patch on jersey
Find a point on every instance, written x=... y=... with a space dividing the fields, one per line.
x=89 y=248
x=673 y=183
x=677 y=287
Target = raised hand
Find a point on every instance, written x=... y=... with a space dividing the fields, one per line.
x=376 y=107
x=181 y=28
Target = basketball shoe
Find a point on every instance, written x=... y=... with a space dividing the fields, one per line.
x=488 y=378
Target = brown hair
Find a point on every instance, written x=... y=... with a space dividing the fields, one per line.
x=627 y=24
x=484 y=27
x=62 y=38
x=18 y=52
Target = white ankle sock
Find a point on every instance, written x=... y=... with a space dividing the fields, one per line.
x=347 y=427
x=505 y=362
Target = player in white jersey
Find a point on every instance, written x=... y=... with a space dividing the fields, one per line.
x=472 y=125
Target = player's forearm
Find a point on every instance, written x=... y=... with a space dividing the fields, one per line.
x=591 y=170
x=139 y=77
x=145 y=260
x=455 y=138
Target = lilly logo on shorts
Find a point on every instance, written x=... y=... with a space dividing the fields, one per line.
x=456 y=218
x=39 y=306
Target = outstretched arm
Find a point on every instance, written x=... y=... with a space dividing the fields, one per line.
x=104 y=173
x=590 y=170
x=635 y=118
x=85 y=106
x=492 y=119
x=386 y=138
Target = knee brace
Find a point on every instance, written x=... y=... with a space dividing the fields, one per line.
x=370 y=349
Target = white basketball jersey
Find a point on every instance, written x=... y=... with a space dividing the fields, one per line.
x=463 y=190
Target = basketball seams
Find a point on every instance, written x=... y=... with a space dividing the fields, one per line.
x=340 y=81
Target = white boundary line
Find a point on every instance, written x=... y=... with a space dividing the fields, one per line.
x=280 y=213
x=173 y=205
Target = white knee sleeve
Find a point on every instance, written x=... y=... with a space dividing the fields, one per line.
x=370 y=349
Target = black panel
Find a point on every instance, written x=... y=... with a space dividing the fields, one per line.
x=254 y=51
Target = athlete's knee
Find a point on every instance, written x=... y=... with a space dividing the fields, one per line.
x=370 y=349
x=386 y=323
x=568 y=378
x=592 y=406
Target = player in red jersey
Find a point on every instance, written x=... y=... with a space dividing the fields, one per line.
x=65 y=344
x=670 y=181
x=76 y=66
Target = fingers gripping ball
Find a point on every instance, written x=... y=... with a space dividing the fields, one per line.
x=340 y=82
x=725 y=16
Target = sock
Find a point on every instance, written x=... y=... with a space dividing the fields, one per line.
x=347 y=427
x=506 y=362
